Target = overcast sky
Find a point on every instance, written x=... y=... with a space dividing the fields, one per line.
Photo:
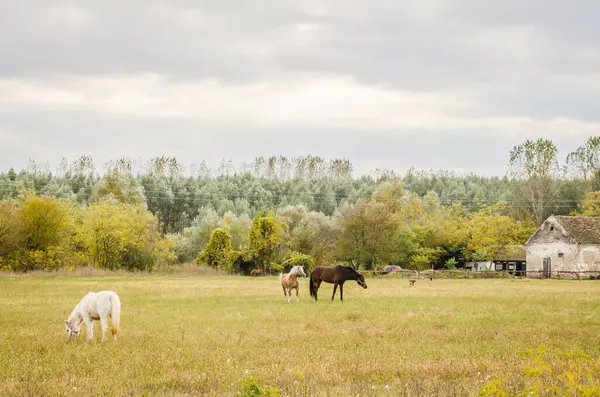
x=451 y=84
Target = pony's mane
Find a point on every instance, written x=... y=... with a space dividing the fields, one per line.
x=295 y=270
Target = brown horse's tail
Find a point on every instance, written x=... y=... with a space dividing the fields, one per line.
x=311 y=286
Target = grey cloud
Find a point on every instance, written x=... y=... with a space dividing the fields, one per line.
x=385 y=41
x=508 y=55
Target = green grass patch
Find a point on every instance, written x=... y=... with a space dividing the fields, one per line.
x=226 y=335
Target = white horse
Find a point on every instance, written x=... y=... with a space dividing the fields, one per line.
x=290 y=281
x=95 y=306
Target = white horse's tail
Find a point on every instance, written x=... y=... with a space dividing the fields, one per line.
x=115 y=313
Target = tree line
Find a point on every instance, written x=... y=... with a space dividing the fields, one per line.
x=277 y=211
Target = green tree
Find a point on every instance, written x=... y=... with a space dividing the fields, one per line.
x=238 y=228
x=316 y=235
x=216 y=253
x=265 y=238
x=585 y=161
x=121 y=186
x=368 y=236
x=533 y=168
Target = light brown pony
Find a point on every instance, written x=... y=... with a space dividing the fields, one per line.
x=256 y=272
x=290 y=281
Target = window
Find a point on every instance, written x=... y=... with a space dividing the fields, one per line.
x=561 y=255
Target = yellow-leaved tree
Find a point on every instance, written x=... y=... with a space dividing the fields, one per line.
x=591 y=204
x=124 y=236
x=488 y=231
x=50 y=233
x=12 y=240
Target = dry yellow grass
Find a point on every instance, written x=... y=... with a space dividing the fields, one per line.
x=202 y=335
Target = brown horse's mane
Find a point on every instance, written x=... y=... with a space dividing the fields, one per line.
x=350 y=271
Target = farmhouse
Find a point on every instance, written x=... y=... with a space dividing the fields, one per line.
x=564 y=244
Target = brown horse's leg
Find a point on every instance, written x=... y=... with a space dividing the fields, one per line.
x=297 y=298
x=342 y=292
x=317 y=284
x=284 y=293
x=334 y=289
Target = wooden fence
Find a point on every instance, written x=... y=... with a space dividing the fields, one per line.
x=467 y=274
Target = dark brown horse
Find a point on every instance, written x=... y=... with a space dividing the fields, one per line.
x=336 y=275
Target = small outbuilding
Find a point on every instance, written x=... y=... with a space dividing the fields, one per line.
x=564 y=246
x=511 y=259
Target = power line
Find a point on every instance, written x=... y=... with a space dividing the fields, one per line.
x=325 y=198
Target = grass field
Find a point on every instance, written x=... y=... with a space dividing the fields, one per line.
x=203 y=335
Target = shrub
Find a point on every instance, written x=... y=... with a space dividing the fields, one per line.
x=451 y=264
x=42 y=233
x=240 y=262
x=298 y=259
x=249 y=387
x=550 y=372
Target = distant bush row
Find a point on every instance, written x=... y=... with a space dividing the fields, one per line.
x=41 y=233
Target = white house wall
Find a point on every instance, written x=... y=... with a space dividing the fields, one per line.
x=575 y=257
x=479 y=266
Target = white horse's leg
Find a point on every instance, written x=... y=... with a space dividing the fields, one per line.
x=89 y=328
x=104 y=323
x=289 y=291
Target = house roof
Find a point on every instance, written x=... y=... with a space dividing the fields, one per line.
x=583 y=229
x=580 y=229
x=511 y=253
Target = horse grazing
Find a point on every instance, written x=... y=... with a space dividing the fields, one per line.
x=336 y=275
x=256 y=272
x=95 y=306
x=289 y=282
